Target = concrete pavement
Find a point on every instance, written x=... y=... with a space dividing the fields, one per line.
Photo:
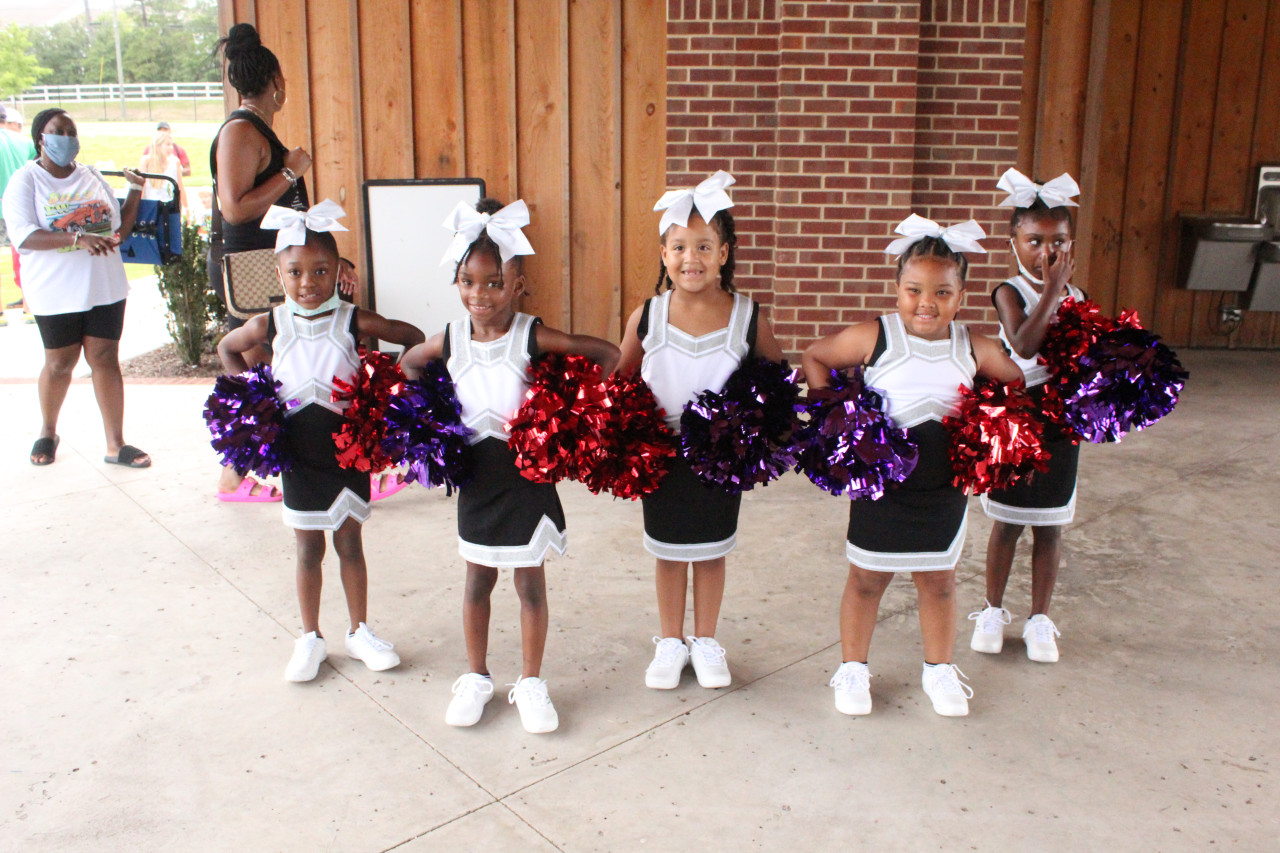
x=146 y=628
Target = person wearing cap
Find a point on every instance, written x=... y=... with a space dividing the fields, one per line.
x=178 y=150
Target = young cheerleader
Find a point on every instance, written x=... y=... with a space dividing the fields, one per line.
x=313 y=336
x=688 y=339
x=504 y=520
x=1041 y=236
x=917 y=359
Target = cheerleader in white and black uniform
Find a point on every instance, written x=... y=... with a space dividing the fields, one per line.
x=1041 y=237
x=687 y=340
x=917 y=359
x=313 y=337
x=504 y=519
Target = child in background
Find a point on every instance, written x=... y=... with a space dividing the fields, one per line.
x=1041 y=237
x=313 y=337
x=686 y=340
x=916 y=359
x=504 y=520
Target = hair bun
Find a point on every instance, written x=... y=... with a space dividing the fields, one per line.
x=241 y=39
x=488 y=205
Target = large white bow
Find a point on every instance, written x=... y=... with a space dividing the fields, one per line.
x=502 y=227
x=1023 y=191
x=709 y=197
x=293 y=224
x=961 y=237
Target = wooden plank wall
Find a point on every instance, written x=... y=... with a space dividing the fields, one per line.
x=558 y=102
x=1177 y=110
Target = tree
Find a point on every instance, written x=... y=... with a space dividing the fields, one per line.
x=19 y=69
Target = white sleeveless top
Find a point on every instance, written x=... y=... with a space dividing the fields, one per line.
x=308 y=352
x=678 y=366
x=920 y=380
x=1035 y=372
x=490 y=377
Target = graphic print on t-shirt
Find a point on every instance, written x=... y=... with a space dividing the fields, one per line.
x=78 y=211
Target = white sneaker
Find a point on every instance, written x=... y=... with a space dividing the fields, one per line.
x=537 y=714
x=988 y=629
x=308 y=654
x=708 y=661
x=950 y=695
x=377 y=654
x=1039 y=634
x=471 y=692
x=852 y=682
x=669 y=660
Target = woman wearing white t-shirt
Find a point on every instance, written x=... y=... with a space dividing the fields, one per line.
x=66 y=224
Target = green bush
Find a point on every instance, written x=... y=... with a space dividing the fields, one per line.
x=194 y=312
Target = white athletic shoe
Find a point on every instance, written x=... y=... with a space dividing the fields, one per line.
x=537 y=714
x=376 y=653
x=1039 y=634
x=308 y=654
x=950 y=695
x=852 y=682
x=988 y=629
x=669 y=660
x=471 y=692
x=707 y=657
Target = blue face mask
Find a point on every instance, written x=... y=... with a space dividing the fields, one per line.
x=330 y=304
x=61 y=149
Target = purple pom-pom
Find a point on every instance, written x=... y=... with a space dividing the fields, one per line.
x=849 y=446
x=425 y=430
x=1127 y=380
x=741 y=437
x=246 y=419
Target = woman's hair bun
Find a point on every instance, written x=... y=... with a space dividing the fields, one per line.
x=241 y=39
x=488 y=205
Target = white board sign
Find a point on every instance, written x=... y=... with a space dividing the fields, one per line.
x=406 y=241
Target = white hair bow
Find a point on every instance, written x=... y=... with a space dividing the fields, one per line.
x=502 y=227
x=1023 y=191
x=962 y=237
x=294 y=224
x=709 y=197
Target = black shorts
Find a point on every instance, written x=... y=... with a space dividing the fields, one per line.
x=63 y=330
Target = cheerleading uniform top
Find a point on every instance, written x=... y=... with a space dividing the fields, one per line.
x=504 y=520
x=685 y=519
x=491 y=377
x=309 y=353
x=1035 y=371
x=679 y=366
x=919 y=525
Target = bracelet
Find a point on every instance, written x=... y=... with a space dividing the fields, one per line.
x=75 y=240
x=290 y=176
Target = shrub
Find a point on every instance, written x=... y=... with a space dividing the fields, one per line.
x=193 y=311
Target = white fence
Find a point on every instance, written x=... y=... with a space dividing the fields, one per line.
x=111 y=92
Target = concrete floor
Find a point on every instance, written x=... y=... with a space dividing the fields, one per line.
x=146 y=628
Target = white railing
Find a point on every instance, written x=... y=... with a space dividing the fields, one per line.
x=111 y=92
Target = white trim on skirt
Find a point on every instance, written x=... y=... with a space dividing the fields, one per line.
x=922 y=561
x=1033 y=516
x=346 y=505
x=689 y=553
x=545 y=537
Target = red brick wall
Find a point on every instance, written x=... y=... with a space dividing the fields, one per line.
x=838 y=120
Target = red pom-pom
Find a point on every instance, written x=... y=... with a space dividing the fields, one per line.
x=560 y=427
x=359 y=441
x=1074 y=329
x=995 y=437
x=640 y=447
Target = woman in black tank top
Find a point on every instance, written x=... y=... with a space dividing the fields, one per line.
x=252 y=170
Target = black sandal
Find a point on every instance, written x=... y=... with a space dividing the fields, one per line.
x=128 y=456
x=46 y=447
